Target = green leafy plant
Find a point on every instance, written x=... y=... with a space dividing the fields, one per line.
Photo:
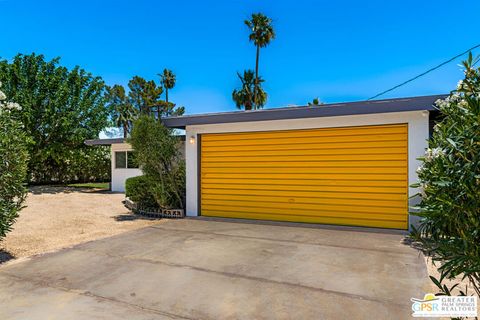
x=61 y=108
x=449 y=178
x=13 y=164
x=139 y=190
x=158 y=155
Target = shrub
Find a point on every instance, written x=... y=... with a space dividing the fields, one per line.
x=13 y=164
x=450 y=179
x=139 y=190
x=159 y=157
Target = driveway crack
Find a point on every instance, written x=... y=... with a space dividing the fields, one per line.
x=240 y=276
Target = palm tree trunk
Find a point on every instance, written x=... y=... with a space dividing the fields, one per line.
x=158 y=112
x=166 y=94
x=255 y=88
x=125 y=130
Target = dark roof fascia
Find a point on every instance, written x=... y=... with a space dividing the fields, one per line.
x=104 y=142
x=327 y=110
x=108 y=142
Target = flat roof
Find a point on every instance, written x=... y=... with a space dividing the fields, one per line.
x=325 y=110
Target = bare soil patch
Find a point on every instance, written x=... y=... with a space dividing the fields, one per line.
x=59 y=217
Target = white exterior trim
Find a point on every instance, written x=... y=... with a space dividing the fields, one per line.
x=120 y=175
x=417 y=140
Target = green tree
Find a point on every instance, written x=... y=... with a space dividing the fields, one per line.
x=13 y=164
x=450 y=182
x=243 y=97
x=262 y=33
x=144 y=95
x=158 y=154
x=167 y=79
x=123 y=111
x=61 y=108
x=315 y=102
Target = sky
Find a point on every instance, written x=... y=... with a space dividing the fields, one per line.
x=334 y=50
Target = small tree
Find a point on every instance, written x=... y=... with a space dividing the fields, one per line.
x=315 y=102
x=158 y=155
x=450 y=180
x=13 y=164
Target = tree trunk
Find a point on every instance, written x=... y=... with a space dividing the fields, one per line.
x=125 y=130
x=166 y=94
x=255 y=88
x=158 y=112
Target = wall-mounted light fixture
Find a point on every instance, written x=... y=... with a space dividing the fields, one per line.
x=192 y=139
x=425 y=113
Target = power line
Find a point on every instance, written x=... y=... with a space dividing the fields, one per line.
x=423 y=73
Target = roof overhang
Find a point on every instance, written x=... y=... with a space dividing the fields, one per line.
x=104 y=142
x=109 y=142
x=326 y=110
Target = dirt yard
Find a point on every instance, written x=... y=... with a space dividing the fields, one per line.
x=58 y=217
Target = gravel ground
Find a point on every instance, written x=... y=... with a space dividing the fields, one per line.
x=59 y=217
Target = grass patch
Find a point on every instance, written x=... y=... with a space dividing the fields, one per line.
x=92 y=185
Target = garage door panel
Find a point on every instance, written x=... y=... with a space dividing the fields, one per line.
x=379 y=223
x=332 y=211
x=308 y=170
x=305 y=176
x=347 y=174
x=294 y=156
x=299 y=146
x=297 y=202
x=307 y=140
x=326 y=132
x=300 y=183
x=259 y=213
x=304 y=163
x=295 y=193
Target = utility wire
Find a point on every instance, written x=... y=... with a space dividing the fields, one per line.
x=423 y=73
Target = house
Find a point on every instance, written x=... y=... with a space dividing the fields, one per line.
x=122 y=156
x=123 y=166
x=345 y=164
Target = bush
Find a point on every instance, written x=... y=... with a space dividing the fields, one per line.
x=13 y=165
x=158 y=155
x=139 y=190
x=450 y=180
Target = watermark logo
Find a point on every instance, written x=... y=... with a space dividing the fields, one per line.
x=444 y=306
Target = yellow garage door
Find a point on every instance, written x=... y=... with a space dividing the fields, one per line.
x=347 y=176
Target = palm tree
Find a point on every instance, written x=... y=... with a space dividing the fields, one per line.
x=243 y=97
x=167 y=79
x=125 y=115
x=261 y=34
x=123 y=111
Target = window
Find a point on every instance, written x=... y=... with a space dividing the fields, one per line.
x=125 y=159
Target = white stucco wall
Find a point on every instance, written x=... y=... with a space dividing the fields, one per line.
x=120 y=175
x=417 y=140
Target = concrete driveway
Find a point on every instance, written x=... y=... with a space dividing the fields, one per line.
x=196 y=269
